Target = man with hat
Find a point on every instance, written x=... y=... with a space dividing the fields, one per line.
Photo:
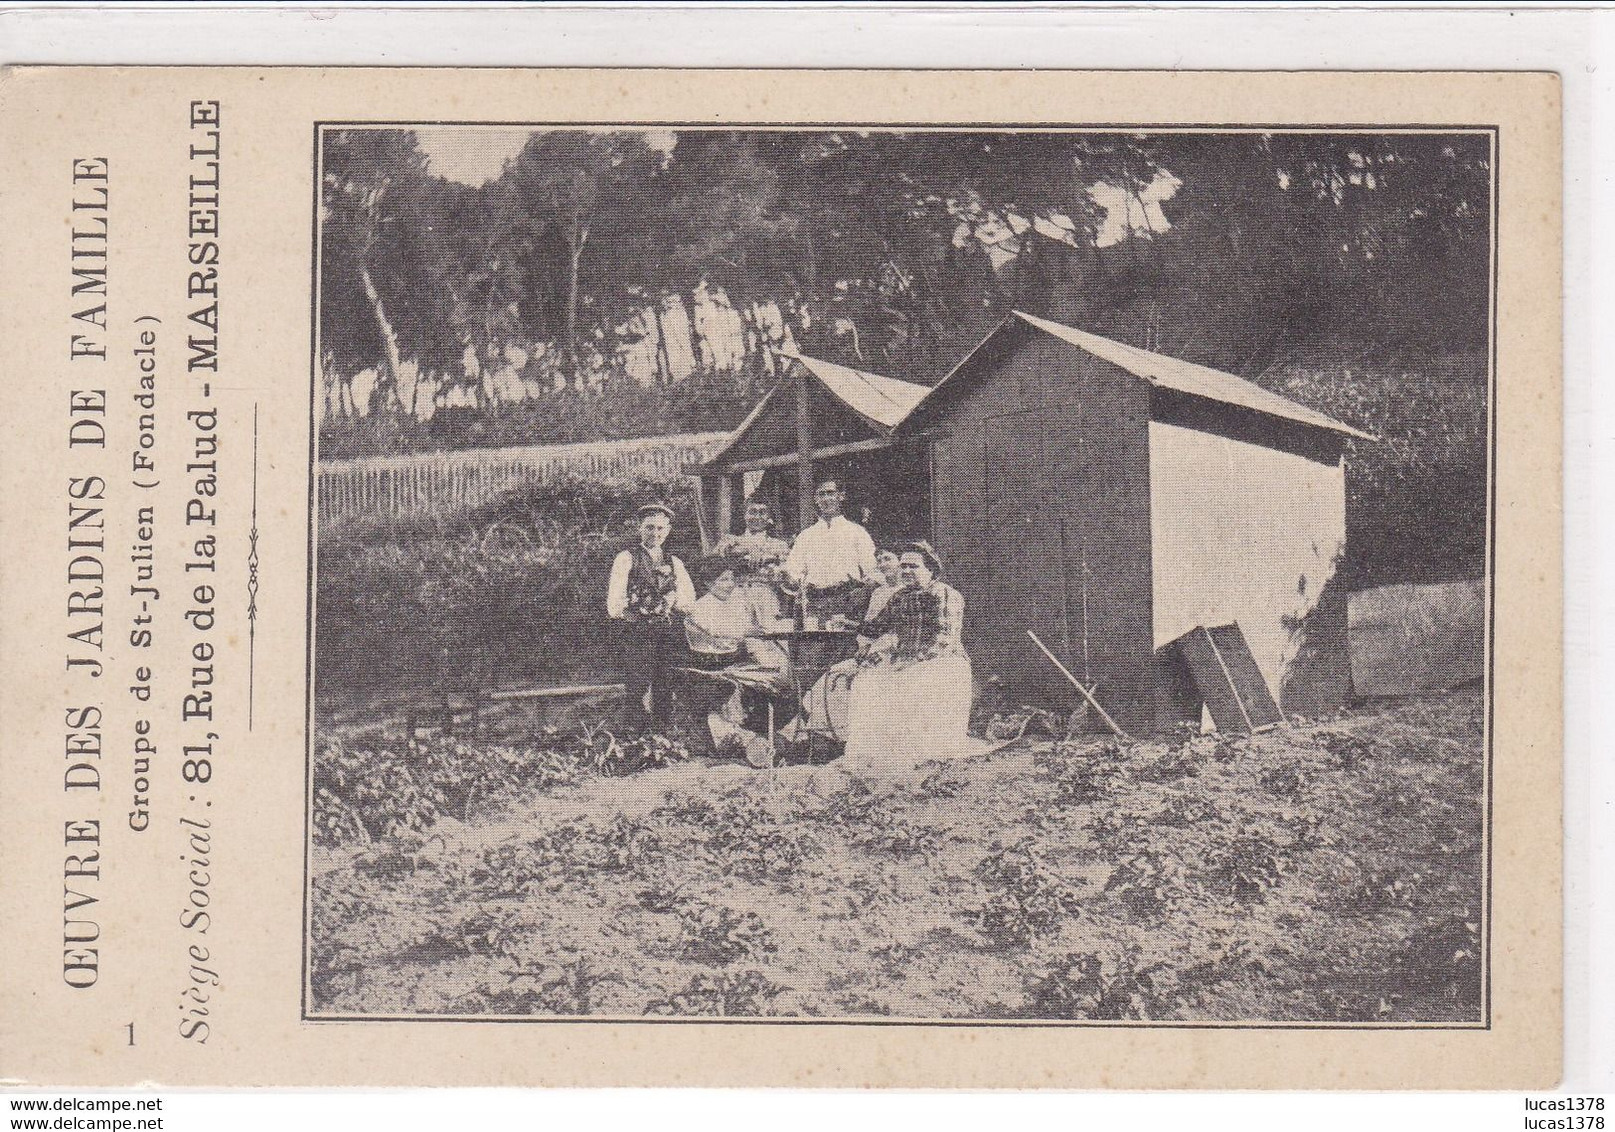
x=647 y=591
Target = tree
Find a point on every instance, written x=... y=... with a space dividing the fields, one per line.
x=374 y=187
x=892 y=250
x=575 y=187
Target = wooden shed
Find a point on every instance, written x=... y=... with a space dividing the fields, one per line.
x=821 y=419
x=1112 y=499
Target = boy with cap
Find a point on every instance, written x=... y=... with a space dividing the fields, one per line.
x=648 y=588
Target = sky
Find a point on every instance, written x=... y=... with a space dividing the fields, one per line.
x=1140 y=213
x=471 y=155
x=474 y=155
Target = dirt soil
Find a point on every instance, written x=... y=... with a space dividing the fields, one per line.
x=1329 y=871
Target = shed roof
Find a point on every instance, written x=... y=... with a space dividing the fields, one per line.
x=1165 y=372
x=880 y=402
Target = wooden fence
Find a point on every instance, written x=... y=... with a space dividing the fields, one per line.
x=446 y=481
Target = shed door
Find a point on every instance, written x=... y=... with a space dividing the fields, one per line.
x=1029 y=567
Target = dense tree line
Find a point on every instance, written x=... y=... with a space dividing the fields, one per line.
x=891 y=251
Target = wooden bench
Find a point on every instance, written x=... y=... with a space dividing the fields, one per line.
x=455 y=709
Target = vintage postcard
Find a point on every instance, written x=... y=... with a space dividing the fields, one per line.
x=933 y=579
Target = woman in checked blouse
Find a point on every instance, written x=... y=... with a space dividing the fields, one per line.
x=906 y=697
x=911 y=696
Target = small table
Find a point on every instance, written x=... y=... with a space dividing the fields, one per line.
x=810 y=654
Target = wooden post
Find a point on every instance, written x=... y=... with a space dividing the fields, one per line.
x=804 y=453
x=725 y=523
x=703 y=500
x=737 y=493
x=774 y=483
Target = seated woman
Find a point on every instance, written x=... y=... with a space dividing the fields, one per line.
x=911 y=697
x=722 y=629
x=906 y=696
x=891 y=581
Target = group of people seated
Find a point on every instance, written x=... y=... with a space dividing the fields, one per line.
x=903 y=694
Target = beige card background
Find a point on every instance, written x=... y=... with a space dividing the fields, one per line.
x=138 y=120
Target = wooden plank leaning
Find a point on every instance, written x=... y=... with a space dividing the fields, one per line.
x=1077 y=684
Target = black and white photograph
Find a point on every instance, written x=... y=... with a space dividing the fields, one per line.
x=892 y=575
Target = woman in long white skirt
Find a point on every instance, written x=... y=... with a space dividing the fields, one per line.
x=911 y=695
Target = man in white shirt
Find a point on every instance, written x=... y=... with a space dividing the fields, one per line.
x=646 y=591
x=833 y=561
